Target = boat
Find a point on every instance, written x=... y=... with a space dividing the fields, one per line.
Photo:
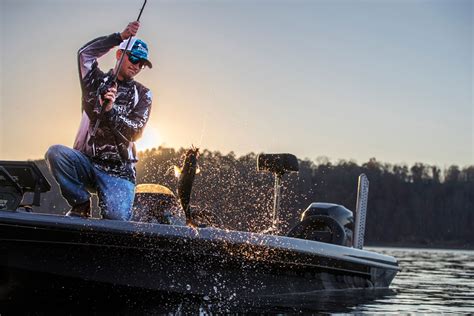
x=158 y=252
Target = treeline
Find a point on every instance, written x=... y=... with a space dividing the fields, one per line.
x=420 y=205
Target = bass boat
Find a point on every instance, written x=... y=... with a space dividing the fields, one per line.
x=159 y=251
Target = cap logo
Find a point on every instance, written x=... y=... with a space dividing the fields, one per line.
x=138 y=49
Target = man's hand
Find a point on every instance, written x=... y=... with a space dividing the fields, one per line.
x=108 y=98
x=130 y=30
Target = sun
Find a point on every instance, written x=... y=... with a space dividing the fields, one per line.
x=151 y=138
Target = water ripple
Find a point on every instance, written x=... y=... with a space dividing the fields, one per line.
x=440 y=281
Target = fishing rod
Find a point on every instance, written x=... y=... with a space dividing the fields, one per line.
x=105 y=87
x=119 y=63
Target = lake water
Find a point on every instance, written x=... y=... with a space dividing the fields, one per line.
x=431 y=281
x=440 y=281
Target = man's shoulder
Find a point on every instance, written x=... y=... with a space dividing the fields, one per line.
x=141 y=86
x=142 y=90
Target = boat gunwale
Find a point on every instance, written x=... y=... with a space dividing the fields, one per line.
x=237 y=238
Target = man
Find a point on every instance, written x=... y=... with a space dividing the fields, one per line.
x=104 y=163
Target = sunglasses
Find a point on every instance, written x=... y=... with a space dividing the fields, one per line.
x=136 y=60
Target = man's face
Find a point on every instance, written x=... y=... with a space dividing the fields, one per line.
x=129 y=69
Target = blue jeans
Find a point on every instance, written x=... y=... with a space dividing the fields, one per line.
x=78 y=178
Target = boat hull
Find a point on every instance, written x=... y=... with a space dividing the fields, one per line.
x=204 y=261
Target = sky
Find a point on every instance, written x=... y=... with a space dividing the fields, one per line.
x=342 y=79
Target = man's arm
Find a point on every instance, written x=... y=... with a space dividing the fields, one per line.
x=90 y=74
x=89 y=53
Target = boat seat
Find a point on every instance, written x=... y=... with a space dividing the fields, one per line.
x=319 y=228
x=156 y=203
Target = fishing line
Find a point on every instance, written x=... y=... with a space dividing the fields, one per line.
x=203 y=129
x=119 y=64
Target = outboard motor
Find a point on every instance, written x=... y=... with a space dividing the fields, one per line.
x=325 y=222
x=333 y=223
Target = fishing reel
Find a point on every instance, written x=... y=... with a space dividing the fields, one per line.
x=103 y=88
x=121 y=142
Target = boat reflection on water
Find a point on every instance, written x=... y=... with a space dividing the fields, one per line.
x=64 y=295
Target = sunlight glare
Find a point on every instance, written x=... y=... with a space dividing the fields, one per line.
x=151 y=138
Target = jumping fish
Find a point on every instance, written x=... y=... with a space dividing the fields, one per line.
x=185 y=176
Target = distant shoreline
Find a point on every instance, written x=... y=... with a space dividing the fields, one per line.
x=440 y=246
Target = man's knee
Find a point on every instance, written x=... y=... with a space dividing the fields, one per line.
x=117 y=204
x=56 y=152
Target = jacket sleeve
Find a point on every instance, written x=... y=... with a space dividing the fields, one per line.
x=130 y=127
x=89 y=73
x=89 y=53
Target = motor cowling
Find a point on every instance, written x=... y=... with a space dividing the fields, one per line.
x=325 y=222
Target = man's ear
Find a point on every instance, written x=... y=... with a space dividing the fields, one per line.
x=118 y=54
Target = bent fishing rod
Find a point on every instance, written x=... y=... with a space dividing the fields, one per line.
x=104 y=87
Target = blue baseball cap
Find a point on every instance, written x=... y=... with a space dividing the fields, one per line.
x=138 y=49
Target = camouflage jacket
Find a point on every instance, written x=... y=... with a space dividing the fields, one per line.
x=112 y=149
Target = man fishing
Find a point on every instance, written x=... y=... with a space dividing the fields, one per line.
x=115 y=110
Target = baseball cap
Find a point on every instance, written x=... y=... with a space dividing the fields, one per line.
x=138 y=49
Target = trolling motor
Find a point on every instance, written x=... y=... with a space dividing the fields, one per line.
x=278 y=164
x=103 y=88
x=18 y=178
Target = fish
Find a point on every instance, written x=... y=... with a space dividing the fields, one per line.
x=185 y=176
